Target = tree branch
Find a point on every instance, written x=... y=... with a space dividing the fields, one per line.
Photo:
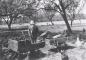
x=6 y=21
x=57 y=6
x=68 y=5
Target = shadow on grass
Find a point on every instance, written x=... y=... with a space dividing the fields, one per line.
x=36 y=55
x=58 y=49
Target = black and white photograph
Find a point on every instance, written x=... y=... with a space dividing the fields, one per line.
x=42 y=30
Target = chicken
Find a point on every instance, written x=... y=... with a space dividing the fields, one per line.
x=78 y=43
x=57 y=36
x=84 y=45
x=43 y=34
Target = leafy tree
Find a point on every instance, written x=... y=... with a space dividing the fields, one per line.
x=31 y=10
x=63 y=7
x=49 y=12
x=10 y=11
x=74 y=12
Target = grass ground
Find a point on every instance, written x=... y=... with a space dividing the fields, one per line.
x=54 y=29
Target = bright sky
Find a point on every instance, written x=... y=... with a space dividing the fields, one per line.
x=84 y=9
x=82 y=6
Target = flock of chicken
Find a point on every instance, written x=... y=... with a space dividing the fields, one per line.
x=77 y=43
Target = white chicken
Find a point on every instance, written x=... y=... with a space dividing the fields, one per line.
x=44 y=33
x=78 y=43
x=57 y=36
x=84 y=45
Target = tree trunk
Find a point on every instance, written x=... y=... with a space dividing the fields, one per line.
x=67 y=24
x=10 y=22
x=71 y=23
x=50 y=19
x=65 y=17
x=52 y=23
x=9 y=26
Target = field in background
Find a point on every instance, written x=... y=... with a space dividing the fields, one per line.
x=58 y=25
x=52 y=28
